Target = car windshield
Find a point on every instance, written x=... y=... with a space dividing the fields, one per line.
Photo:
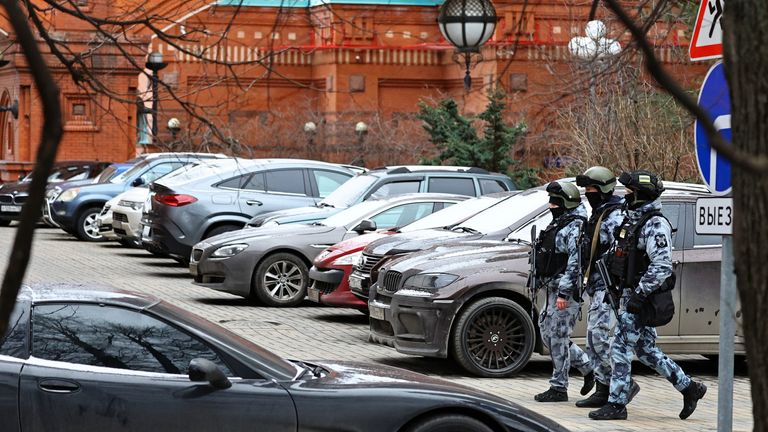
x=222 y=168
x=350 y=192
x=506 y=213
x=105 y=175
x=453 y=214
x=351 y=215
x=63 y=173
x=267 y=362
x=122 y=178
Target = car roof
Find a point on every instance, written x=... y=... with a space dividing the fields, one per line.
x=406 y=169
x=72 y=292
x=419 y=196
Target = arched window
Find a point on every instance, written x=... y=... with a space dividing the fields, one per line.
x=7 y=136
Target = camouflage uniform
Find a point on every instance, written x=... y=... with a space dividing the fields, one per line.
x=557 y=325
x=600 y=318
x=631 y=337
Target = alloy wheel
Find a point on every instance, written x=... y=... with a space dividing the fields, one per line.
x=495 y=339
x=283 y=280
x=90 y=228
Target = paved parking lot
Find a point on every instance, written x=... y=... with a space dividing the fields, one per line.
x=311 y=332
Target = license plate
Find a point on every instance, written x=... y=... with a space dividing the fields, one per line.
x=355 y=283
x=313 y=294
x=145 y=232
x=376 y=313
x=193 y=269
x=10 y=208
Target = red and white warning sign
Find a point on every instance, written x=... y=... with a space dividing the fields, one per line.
x=707 y=41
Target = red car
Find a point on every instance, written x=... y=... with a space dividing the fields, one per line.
x=331 y=269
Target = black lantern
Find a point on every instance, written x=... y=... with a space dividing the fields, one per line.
x=467 y=25
x=155 y=64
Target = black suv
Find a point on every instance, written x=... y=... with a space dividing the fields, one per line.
x=388 y=181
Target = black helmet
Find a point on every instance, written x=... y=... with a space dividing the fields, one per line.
x=564 y=194
x=646 y=185
x=598 y=176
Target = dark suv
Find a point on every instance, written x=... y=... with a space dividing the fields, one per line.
x=14 y=195
x=388 y=181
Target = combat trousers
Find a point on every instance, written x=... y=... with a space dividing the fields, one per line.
x=631 y=338
x=556 y=327
x=600 y=321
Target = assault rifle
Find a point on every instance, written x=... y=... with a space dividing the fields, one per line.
x=609 y=287
x=533 y=288
x=580 y=278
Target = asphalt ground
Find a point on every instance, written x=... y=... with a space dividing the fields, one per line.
x=315 y=332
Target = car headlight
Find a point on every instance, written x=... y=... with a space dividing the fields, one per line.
x=229 y=250
x=351 y=259
x=133 y=205
x=52 y=193
x=68 y=195
x=430 y=281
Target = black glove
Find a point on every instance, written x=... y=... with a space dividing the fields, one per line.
x=635 y=303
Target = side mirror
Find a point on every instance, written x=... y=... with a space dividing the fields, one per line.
x=138 y=182
x=21 y=177
x=205 y=370
x=365 y=225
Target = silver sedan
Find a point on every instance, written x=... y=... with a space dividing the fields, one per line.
x=271 y=263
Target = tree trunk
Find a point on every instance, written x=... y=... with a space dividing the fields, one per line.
x=746 y=62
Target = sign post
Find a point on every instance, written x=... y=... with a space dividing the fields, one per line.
x=715 y=215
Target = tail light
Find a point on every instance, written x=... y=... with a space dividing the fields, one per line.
x=174 y=200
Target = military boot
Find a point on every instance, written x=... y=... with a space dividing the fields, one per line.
x=598 y=399
x=610 y=411
x=552 y=395
x=634 y=389
x=691 y=396
x=589 y=383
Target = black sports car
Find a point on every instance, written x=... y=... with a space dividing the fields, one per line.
x=90 y=359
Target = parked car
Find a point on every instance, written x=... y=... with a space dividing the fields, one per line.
x=331 y=269
x=14 y=195
x=469 y=300
x=104 y=221
x=271 y=263
x=495 y=223
x=53 y=190
x=83 y=358
x=75 y=209
x=208 y=201
x=389 y=181
x=127 y=213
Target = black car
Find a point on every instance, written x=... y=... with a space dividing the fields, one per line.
x=14 y=195
x=86 y=359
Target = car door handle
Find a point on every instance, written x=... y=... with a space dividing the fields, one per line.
x=254 y=203
x=58 y=386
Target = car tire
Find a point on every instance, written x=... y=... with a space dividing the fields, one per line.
x=86 y=228
x=449 y=423
x=281 y=280
x=493 y=337
x=221 y=229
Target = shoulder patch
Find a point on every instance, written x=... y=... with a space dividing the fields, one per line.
x=661 y=240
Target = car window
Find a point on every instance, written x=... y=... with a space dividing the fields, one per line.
x=114 y=337
x=160 y=170
x=256 y=183
x=328 y=181
x=402 y=215
x=452 y=215
x=460 y=186
x=507 y=212
x=14 y=343
x=672 y=212
x=704 y=240
x=490 y=186
x=233 y=183
x=286 y=181
x=395 y=188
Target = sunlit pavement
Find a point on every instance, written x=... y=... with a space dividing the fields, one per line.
x=311 y=332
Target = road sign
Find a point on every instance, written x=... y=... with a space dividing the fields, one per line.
x=715 y=99
x=714 y=216
x=707 y=41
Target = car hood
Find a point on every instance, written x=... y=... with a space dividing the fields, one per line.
x=466 y=258
x=359 y=242
x=253 y=234
x=137 y=194
x=21 y=188
x=415 y=241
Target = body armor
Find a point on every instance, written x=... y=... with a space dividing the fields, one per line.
x=589 y=235
x=628 y=263
x=549 y=262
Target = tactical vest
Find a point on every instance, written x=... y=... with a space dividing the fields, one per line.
x=549 y=262
x=628 y=264
x=589 y=234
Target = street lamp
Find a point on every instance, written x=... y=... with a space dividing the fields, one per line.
x=310 y=130
x=174 y=125
x=155 y=64
x=361 y=130
x=13 y=108
x=467 y=25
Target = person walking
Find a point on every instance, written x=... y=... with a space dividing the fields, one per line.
x=599 y=185
x=557 y=264
x=641 y=263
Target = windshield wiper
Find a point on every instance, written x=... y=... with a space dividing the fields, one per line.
x=519 y=241
x=324 y=204
x=466 y=230
x=315 y=371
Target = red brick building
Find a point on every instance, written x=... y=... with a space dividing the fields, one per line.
x=261 y=69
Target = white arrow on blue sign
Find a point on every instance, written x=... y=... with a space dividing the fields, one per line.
x=715 y=99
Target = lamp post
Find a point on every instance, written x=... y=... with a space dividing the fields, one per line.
x=310 y=130
x=174 y=125
x=13 y=108
x=361 y=130
x=155 y=64
x=467 y=25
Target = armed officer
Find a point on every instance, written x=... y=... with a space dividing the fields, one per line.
x=599 y=183
x=558 y=266
x=641 y=263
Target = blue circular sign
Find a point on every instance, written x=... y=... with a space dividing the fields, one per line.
x=715 y=99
